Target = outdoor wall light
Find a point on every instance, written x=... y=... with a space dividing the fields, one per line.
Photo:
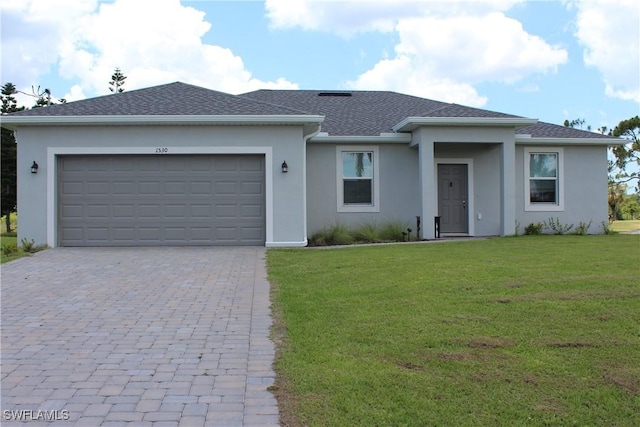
x=285 y=167
x=34 y=167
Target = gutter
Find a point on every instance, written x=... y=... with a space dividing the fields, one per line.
x=12 y=122
x=383 y=138
x=526 y=139
x=411 y=123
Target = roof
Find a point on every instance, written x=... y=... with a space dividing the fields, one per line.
x=368 y=113
x=342 y=113
x=549 y=130
x=173 y=99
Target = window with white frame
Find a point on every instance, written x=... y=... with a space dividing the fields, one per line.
x=543 y=180
x=357 y=180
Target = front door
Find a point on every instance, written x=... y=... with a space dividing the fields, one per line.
x=452 y=198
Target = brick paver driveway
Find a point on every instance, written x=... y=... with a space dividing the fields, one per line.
x=137 y=336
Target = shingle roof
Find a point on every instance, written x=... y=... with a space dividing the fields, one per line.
x=549 y=130
x=347 y=113
x=177 y=98
x=365 y=112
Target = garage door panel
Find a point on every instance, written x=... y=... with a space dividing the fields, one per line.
x=123 y=187
x=175 y=187
x=98 y=234
x=154 y=200
x=97 y=211
x=73 y=188
x=149 y=187
x=73 y=211
x=203 y=187
x=123 y=211
x=251 y=188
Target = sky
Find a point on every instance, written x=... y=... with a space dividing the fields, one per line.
x=549 y=60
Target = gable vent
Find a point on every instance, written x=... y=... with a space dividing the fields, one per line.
x=334 y=94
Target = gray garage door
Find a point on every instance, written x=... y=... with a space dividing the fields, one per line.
x=123 y=200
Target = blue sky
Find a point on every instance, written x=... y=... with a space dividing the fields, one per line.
x=551 y=60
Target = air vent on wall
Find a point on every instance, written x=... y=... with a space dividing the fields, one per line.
x=334 y=94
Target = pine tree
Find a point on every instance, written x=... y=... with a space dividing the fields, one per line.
x=117 y=81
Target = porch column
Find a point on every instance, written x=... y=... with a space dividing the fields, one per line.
x=427 y=187
x=508 y=188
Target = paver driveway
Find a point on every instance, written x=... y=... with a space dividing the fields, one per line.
x=137 y=336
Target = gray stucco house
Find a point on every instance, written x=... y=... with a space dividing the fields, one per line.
x=182 y=165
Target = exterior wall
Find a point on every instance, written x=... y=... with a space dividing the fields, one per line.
x=286 y=223
x=585 y=188
x=399 y=187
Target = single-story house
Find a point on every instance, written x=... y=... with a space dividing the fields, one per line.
x=178 y=164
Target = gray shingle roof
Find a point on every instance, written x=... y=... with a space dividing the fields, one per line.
x=171 y=99
x=347 y=113
x=367 y=113
x=549 y=130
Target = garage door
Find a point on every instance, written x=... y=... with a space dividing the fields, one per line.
x=122 y=200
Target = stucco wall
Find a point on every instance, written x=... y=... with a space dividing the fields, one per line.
x=585 y=188
x=279 y=143
x=399 y=187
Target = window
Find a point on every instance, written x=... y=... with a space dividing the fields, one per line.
x=543 y=179
x=357 y=179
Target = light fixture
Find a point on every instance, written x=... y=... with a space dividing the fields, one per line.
x=285 y=167
x=34 y=167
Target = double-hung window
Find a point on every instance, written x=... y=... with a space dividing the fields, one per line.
x=357 y=179
x=543 y=179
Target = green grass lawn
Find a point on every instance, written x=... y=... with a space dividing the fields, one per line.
x=622 y=226
x=534 y=330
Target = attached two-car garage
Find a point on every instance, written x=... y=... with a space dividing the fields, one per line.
x=148 y=200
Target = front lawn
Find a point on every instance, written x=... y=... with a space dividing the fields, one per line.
x=625 y=226
x=533 y=330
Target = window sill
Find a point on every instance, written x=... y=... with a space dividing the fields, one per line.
x=544 y=208
x=355 y=208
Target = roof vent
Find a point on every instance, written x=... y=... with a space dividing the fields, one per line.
x=334 y=94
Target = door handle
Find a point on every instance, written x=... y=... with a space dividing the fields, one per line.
x=464 y=204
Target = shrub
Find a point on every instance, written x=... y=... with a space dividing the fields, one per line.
x=534 y=228
x=339 y=234
x=606 y=228
x=10 y=249
x=392 y=231
x=27 y=245
x=367 y=233
x=583 y=228
x=557 y=227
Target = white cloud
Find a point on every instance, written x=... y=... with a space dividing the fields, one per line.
x=609 y=31
x=347 y=18
x=443 y=58
x=151 y=41
x=444 y=47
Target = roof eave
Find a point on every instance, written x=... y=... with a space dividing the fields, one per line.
x=526 y=139
x=411 y=123
x=12 y=122
x=386 y=138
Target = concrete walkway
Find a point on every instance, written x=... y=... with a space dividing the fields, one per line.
x=137 y=337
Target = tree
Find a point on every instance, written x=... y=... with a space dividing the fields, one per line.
x=629 y=153
x=8 y=191
x=577 y=123
x=117 y=81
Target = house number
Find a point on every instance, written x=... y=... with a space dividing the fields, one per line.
x=162 y=150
